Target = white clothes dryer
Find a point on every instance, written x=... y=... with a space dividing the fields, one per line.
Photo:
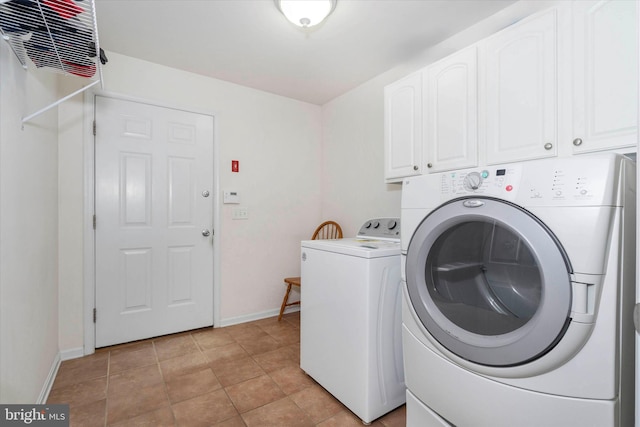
x=351 y=318
x=519 y=285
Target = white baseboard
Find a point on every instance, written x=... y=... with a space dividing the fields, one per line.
x=254 y=316
x=72 y=353
x=293 y=309
x=46 y=388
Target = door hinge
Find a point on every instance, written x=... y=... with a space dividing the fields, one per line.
x=95 y=315
x=94 y=221
x=94 y=128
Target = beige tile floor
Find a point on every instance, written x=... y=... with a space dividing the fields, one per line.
x=241 y=375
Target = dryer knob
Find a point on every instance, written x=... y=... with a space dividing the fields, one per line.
x=391 y=224
x=472 y=181
x=376 y=224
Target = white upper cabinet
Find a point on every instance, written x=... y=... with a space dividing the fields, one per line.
x=605 y=75
x=403 y=127
x=561 y=82
x=451 y=112
x=521 y=100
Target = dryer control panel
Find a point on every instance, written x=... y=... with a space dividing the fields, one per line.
x=501 y=181
x=576 y=181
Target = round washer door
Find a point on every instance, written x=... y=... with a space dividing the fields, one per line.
x=489 y=281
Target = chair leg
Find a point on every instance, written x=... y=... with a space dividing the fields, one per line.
x=284 y=301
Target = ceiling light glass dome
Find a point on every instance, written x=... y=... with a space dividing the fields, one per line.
x=306 y=13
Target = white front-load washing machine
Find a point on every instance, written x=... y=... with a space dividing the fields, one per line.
x=351 y=318
x=518 y=294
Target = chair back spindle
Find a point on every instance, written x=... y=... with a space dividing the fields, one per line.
x=327 y=230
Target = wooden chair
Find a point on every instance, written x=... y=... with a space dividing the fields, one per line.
x=326 y=230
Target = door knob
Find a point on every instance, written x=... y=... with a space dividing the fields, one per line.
x=206 y=232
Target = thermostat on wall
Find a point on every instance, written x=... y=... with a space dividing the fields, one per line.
x=231 y=197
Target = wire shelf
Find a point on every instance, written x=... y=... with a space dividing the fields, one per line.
x=56 y=35
x=59 y=35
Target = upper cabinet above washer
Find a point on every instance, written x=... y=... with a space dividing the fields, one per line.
x=605 y=75
x=450 y=101
x=521 y=97
x=403 y=128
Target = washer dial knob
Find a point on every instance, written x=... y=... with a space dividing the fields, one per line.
x=472 y=181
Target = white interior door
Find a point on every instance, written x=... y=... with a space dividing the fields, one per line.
x=154 y=216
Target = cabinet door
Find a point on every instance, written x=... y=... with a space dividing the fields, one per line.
x=451 y=119
x=403 y=127
x=605 y=75
x=521 y=91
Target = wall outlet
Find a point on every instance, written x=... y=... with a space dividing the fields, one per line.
x=240 y=213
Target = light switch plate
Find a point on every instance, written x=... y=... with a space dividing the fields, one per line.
x=240 y=213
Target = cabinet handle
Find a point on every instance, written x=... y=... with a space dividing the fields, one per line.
x=429 y=165
x=548 y=146
x=577 y=142
x=415 y=168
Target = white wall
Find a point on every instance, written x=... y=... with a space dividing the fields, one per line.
x=353 y=168
x=28 y=233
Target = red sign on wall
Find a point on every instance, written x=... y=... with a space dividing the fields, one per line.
x=235 y=166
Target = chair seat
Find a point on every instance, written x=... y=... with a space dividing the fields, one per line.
x=295 y=281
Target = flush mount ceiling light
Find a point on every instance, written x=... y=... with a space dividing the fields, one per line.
x=306 y=13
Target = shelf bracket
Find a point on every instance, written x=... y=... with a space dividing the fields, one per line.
x=58 y=102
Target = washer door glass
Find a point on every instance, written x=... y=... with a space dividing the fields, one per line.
x=489 y=281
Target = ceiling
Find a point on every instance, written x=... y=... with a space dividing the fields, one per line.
x=249 y=42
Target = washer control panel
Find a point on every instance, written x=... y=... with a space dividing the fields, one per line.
x=380 y=228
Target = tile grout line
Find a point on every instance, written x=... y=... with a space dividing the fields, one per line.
x=267 y=329
x=106 y=392
x=164 y=382
x=223 y=388
x=287 y=396
x=268 y=374
x=315 y=423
